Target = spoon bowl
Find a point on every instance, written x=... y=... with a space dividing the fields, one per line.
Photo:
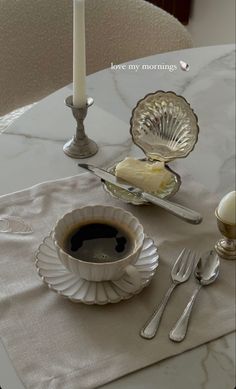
x=207 y=268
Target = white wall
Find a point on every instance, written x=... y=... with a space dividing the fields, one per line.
x=212 y=22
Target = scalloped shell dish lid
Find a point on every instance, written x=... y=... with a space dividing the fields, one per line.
x=164 y=126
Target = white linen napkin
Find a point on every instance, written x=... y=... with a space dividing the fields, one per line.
x=57 y=344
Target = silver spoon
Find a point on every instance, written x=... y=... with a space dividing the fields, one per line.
x=206 y=272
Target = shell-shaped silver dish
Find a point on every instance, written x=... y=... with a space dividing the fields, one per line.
x=134 y=198
x=164 y=126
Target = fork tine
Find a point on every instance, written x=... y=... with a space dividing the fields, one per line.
x=178 y=261
x=184 y=262
x=190 y=263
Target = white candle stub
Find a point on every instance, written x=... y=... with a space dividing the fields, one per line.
x=227 y=208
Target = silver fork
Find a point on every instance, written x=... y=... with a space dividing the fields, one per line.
x=180 y=273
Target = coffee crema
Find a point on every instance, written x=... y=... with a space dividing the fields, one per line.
x=98 y=242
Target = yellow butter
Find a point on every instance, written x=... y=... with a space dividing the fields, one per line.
x=150 y=177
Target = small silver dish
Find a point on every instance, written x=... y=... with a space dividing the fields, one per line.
x=133 y=198
x=164 y=126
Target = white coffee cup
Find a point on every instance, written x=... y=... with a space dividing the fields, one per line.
x=101 y=271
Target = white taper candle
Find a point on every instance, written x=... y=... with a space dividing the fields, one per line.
x=79 y=55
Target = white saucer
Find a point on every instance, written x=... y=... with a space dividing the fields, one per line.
x=72 y=286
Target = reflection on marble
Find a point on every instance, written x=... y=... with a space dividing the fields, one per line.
x=31 y=152
x=7 y=120
x=210 y=366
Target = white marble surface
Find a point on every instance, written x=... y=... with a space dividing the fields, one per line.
x=31 y=152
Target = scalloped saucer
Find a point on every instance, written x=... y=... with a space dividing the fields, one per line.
x=70 y=285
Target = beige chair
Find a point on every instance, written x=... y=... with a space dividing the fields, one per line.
x=36 y=42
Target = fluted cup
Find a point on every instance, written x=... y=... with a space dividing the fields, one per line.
x=100 y=271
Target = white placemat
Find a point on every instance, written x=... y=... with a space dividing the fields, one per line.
x=57 y=344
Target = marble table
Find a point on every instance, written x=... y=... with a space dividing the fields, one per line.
x=31 y=152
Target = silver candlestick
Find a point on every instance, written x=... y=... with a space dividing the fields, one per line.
x=80 y=146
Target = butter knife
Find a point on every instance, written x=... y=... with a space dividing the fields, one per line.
x=178 y=210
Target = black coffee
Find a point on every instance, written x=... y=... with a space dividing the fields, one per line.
x=98 y=242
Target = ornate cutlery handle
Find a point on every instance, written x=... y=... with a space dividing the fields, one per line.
x=178 y=210
x=150 y=328
x=178 y=332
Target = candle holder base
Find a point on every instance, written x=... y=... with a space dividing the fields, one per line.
x=80 y=146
